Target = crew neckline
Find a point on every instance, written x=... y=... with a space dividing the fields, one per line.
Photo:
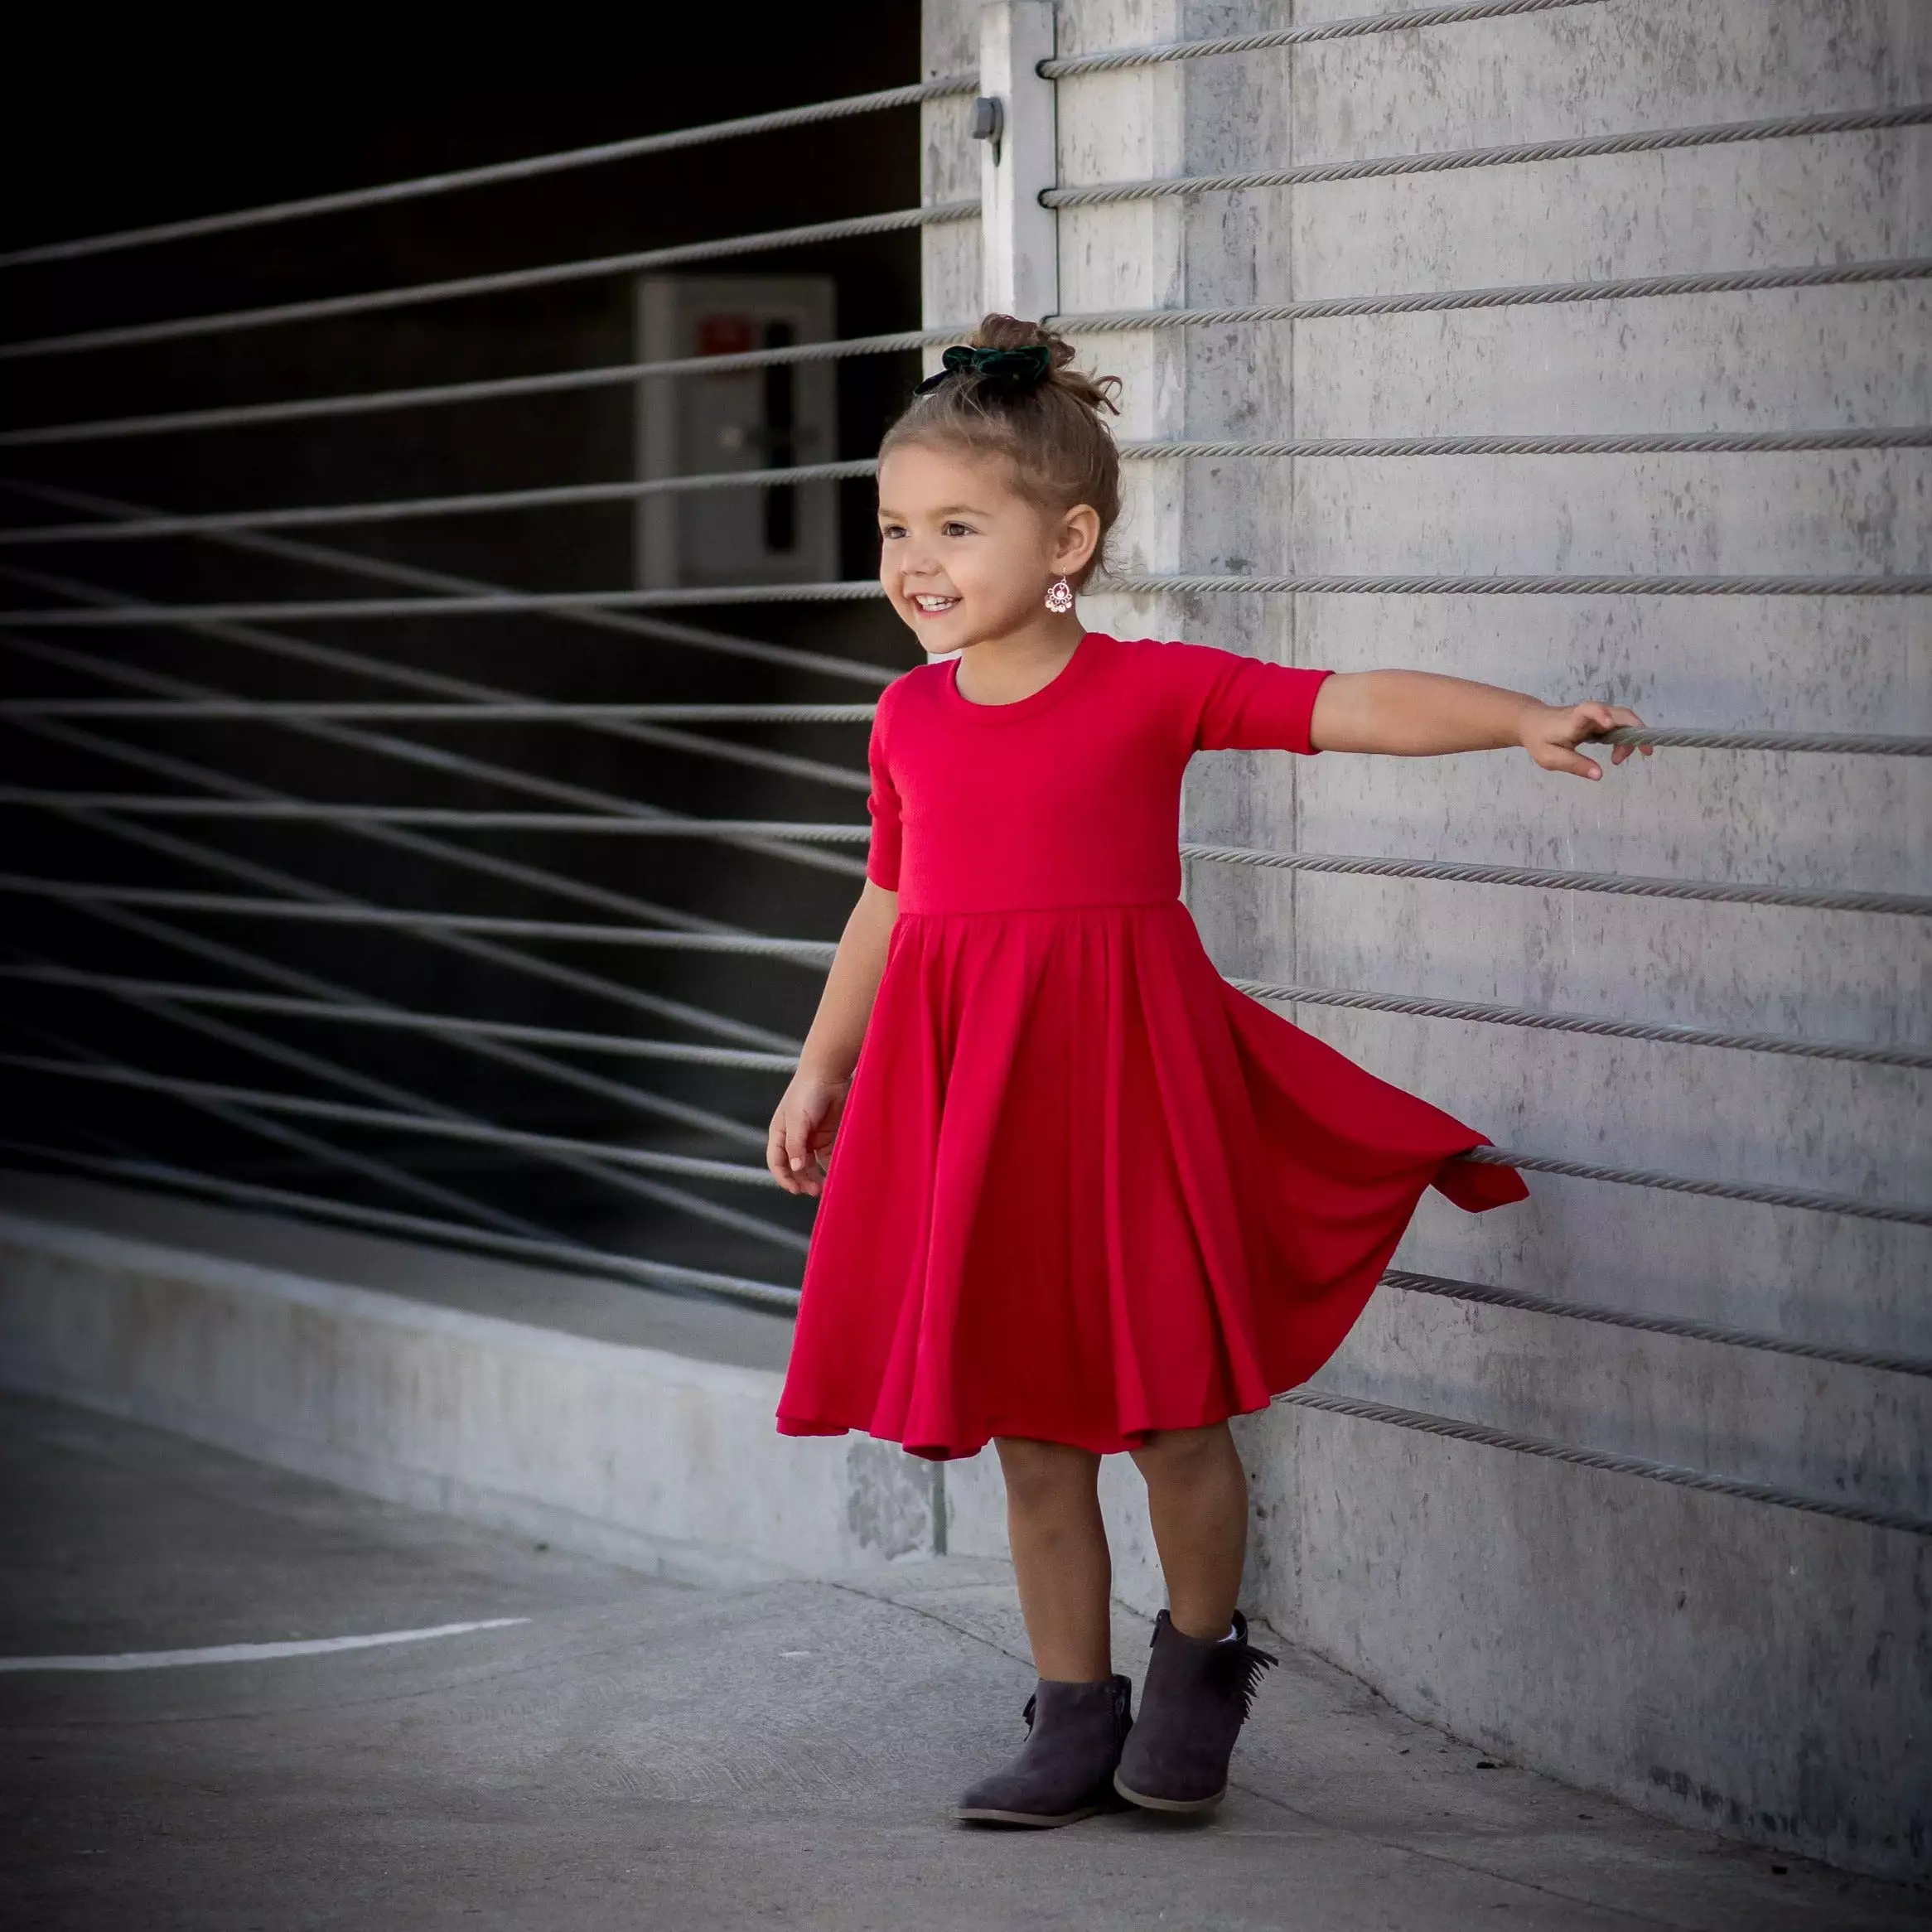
x=1034 y=701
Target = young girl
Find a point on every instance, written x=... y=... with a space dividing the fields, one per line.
x=1086 y=1198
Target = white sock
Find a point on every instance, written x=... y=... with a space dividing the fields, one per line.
x=1233 y=1631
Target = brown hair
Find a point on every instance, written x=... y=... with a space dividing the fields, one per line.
x=1061 y=451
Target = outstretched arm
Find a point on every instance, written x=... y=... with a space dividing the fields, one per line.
x=1416 y=714
x=803 y=1126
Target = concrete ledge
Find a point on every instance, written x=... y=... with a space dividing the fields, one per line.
x=638 y=1453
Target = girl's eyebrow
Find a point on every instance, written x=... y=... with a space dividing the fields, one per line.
x=949 y=509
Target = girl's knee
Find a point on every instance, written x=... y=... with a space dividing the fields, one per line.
x=1045 y=1472
x=1178 y=1450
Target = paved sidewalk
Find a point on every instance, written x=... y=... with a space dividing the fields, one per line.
x=635 y=1754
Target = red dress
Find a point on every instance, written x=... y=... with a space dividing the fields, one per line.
x=1082 y=1189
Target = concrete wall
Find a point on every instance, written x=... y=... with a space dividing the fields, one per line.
x=1764 y=1672
x=601 y=1417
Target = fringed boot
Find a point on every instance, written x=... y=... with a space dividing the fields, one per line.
x=1065 y=1772
x=1197 y=1694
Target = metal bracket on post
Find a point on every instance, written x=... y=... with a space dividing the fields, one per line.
x=1014 y=117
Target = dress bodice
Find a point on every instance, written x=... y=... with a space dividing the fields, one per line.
x=1071 y=797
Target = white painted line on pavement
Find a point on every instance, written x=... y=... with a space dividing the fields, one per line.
x=251 y=1653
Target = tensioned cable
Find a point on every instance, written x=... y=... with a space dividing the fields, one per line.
x=353 y=913
x=483 y=389
x=487 y=1133
x=1497 y=584
x=571 y=1253
x=413 y=751
x=1811 y=1200
x=1612 y=443
x=1548 y=878
x=208 y=857
x=633 y=1185
x=279 y=645
x=625 y=1045
x=567 y=495
x=464 y=858
x=255 y=967
x=1554 y=879
x=1066 y=67
x=320 y=516
x=1527 y=295
x=273 y=879
x=1575 y=148
x=622 y=1045
x=634 y=1099
x=535 y=711
x=1671 y=1325
x=534 y=602
x=355 y=563
x=280 y=711
x=495 y=173
x=285 y=1135
x=502 y=281
x=697 y=1166
x=1491 y=1013
x=1674 y=1474
x=1396 y=1279
x=1489 y=584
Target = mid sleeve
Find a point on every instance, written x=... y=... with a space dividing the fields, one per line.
x=1245 y=704
x=882 y=858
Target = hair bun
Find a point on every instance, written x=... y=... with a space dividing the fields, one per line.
x=1010 y=332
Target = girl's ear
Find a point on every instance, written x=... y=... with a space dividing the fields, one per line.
x=1078 y=538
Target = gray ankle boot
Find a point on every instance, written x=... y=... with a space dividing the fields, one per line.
x=1196 y=1695
x=1065 y=1772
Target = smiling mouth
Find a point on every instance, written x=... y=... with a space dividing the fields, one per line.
x=931 y=606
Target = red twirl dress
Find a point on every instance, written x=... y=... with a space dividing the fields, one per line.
x=1082 y=1189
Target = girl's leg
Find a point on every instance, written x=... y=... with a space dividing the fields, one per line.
x=1197 y=1497
x=1059 y=1556
x=1202 y=1670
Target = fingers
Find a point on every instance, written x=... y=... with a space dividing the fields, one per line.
x=792 y=1148
x=1622 y=715
x=1588 y=723
x=1562 y=758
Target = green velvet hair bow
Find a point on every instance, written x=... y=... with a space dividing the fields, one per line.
x=1015 y=369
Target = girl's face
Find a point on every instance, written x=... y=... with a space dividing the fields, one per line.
x=963 y=556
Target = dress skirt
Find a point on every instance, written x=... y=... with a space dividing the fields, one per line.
x=1084 y=1190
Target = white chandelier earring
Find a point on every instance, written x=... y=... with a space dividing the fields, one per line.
x=1060 y=599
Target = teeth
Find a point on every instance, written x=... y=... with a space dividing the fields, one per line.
x=930 y=603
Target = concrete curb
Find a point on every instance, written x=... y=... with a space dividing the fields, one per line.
x=664 y=1463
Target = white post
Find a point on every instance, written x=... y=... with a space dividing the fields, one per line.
x=1019 y=239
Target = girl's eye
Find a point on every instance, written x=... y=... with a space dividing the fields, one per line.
x=890 y=530
x=955 y=530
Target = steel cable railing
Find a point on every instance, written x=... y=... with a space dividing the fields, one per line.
x=577 y=495
x=254 y=966
x=1117 y=60
x=862 y=590
x=319 y=1207
x=290 y=902
x=1545 y=878
x=481 y=389
x=495 y=173
x=599 y=1172
x=1461 y=160
x=503 y=282
x=1526 y=295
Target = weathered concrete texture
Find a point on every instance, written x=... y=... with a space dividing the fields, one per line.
x=626 y=1424
x=637 y=1754
x=1765 y=1671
